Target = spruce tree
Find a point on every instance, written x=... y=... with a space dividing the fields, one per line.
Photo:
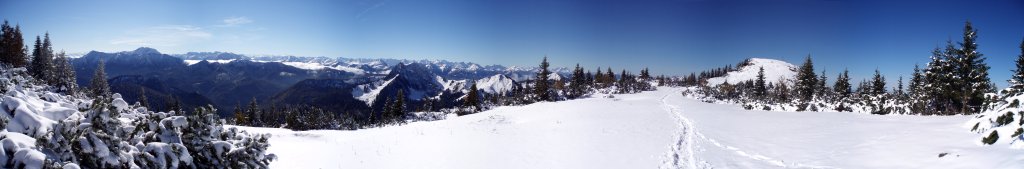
x=65 y=74
x=609 y=78
x=578 y=84
x=398 y=108
x=253 y=113
x=645 y=74
x=842 y=85
x=473 y=98
x=38 y=65
x=938 y=83
x=822 y=91
x=541 y=86
x=807 y=81
x=916 y=79
x=1017 y=80
x=878 y=84
x=240 y=116
x=12 y=46
x=899 y=87
x=973 y=70
x=759 y=85
x=46 y=65
x=98 y=86
x=916 y=91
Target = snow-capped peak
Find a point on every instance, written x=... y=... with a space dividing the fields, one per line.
x=496 y=84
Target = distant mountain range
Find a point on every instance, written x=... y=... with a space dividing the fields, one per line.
x=343 y=85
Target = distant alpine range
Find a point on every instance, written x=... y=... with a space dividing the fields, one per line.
x=350 y=85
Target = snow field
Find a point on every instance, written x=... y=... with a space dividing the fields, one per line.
x=659 y=129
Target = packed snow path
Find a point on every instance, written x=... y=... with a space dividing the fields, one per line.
x=682 y=152
x=659 y=129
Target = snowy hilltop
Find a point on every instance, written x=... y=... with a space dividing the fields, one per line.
x=774 y=70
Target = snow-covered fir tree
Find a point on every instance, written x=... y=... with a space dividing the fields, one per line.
x=542 y=88
x=806 y=81
x=760 y=88
x=98 y=86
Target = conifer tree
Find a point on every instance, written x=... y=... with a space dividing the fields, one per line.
x=973 y=71
x=878 y=84
x=253 y=114
x=541 y=86
x=938 y=83
x=645 y=74
x=759 y=87
x=609 y=78
x=65 y=74
x=578 y=84
x=1017 y=80
x=398 y=108
x=899 y=87
x=589 y=80
x=39 y=61
x=46 y=66
x=12 y=46
x=916 y=79
x=473 y=98
x=842 y=85
x=240 y=116
x=98 y=86
x=806 y=80
x=823 y=90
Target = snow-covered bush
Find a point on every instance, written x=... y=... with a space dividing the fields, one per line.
x=54 y=130
x=1001 y=122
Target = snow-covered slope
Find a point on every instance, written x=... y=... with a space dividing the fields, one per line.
x=773 y=71
x=496 y=84
x=369 y=92
x=647 y=130
x=1005 y=120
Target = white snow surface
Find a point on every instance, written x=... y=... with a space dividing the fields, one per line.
x=774 y=70
x=659 y=129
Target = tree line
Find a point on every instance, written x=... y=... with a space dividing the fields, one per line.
x=955 y=81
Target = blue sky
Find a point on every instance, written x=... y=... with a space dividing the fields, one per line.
x=670 y=37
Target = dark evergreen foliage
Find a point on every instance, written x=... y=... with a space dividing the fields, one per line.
x=542 y=87
x=12 y=46
x=98 y=86
x=806 y=81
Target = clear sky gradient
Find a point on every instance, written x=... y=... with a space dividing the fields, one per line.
x=670 y=37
